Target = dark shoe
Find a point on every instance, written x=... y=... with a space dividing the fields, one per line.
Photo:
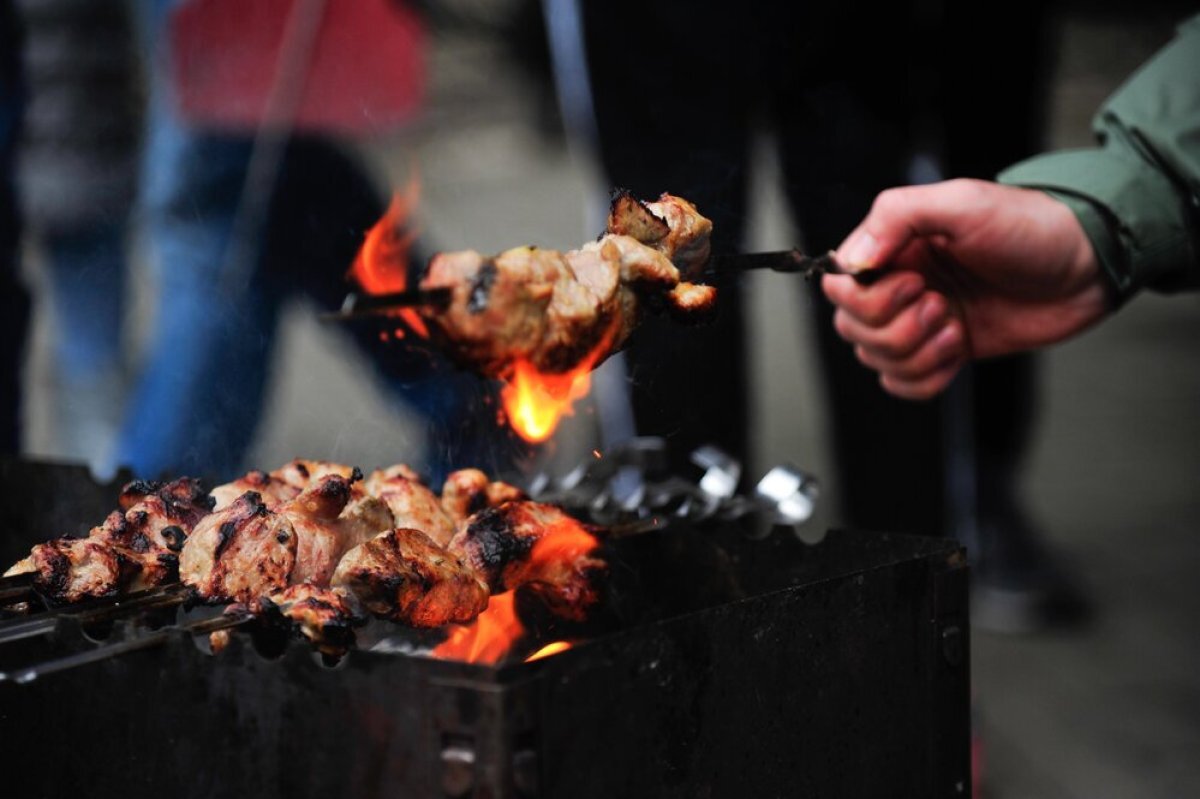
x=1018 y=586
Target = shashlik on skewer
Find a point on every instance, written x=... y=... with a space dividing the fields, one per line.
x=320 y=545
x=557 y=309
x=135 y=548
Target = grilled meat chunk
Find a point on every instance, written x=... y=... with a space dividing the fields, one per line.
x=247 y=550
x=73 y=569
x=557 y=310
x=325 y=616
x=300 y=473
x=671 y=225
x=535 y=547
x=411 y=503
x=320 y=539
x=157 y=519
x=284 y=484
x=133 y=549
x=687 y=244
x=361 y=517
x=272 y=488
x=469 y=491
x=240 y=553
x=629 y=216
x=404 y=576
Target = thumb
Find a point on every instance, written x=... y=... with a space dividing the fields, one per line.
x=898 y=216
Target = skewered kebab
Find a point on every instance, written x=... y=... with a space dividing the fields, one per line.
x=557 y=310
x=294 y=551
x=247 y=549
x=135 y=547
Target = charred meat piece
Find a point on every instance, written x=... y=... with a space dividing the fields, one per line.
x=629 y=216
x=283 y=484
x=325 y=616
x=687 y=245
x=72 y=569
x=362 y=516
x=404 y=576
x=157 y=519
x=180 y=502
x=133 y=549
x=320 y=539
x=411 y=502
x=534 y=547
x=240 y=553
x=300 y=473
x=500 y=310
x=557 y=310
x=248 y=550
x=671 y=225
x=469 y=491
x=270 y=487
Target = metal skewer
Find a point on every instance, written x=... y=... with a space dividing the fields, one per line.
x=16 y=587
x=361 y=306
x=45 y=623
x=30 y=673
x=789 y=262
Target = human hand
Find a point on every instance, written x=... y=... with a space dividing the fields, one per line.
x=979 y=269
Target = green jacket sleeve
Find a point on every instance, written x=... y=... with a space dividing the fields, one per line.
x=1137 y=195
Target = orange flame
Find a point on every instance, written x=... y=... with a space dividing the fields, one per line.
x=490 y=637
x=381 y=266
x=536 y=401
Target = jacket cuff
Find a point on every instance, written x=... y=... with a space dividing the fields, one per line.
x=1136 y=221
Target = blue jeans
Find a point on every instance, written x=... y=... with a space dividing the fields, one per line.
x=86 y=271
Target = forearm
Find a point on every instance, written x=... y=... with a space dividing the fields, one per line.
x=1137 y=196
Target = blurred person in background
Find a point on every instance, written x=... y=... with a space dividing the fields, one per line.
x=252 y=196
x=851 y=95
x=1059 y=244
x=14 y=299
x=77 y=178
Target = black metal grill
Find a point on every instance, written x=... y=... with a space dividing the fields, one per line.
x=719 y=666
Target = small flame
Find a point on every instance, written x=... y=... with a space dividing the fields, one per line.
x=536 y=401
x=381 y=266
x=548 y=650
x=490 y=637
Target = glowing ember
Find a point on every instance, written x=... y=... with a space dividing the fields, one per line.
x=381 y=266
x=548 y=650
x=535 y=401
